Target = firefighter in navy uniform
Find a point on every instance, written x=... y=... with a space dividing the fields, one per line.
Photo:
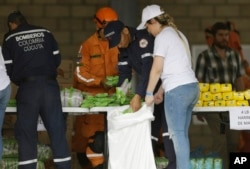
x=136 y=47
x=32 y=56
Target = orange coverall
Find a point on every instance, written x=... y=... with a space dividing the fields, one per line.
x=97 y=62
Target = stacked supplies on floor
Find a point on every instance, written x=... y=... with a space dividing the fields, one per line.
x=161 y=162
x=10 y=154
x=201 y=160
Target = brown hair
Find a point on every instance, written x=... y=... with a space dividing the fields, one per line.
x=166 y=20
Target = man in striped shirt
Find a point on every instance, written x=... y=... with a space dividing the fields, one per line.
x=220 y=64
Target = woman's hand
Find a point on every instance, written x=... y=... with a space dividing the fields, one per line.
x=149 y=100
x=159 y=96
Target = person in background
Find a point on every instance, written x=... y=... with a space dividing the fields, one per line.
x=32 y=56
x=97 y=61
x=136 y=47
x=5 y=91
x=235 y=44
x=221 y=64
x=233 y=40
x=180 y=88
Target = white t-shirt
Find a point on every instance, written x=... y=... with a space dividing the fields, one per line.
x=177 y=69
x=4 y=78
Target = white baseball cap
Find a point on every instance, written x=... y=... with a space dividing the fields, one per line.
x=148 y=13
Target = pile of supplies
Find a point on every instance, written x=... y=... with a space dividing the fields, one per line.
x=216 y=94
x=72 y=97
x=10 y=154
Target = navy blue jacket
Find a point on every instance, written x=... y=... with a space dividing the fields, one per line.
x=30 y=51
x=138 y=56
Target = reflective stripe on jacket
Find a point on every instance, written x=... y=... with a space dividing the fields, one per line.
x=97 y=62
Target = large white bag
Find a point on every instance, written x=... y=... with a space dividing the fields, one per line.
x=129 y=139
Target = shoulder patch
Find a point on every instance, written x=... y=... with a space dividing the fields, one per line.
x=143 y=43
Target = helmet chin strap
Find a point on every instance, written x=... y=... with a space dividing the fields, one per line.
x=98 y=32
x=100 y=22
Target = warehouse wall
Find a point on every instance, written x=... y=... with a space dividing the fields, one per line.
x=71 y=20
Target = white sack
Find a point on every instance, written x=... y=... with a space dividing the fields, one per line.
x=129 y=139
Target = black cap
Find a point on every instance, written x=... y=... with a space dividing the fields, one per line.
x=16 y=17
x=113 y=32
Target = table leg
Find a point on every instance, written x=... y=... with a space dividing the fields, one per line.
x=106 y=152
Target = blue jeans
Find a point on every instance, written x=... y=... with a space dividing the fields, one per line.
x=4 y=99
x=179 y=103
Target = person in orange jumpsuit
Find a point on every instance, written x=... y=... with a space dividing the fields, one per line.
x=96 y=62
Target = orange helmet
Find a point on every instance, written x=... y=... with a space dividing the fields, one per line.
x=104 y=15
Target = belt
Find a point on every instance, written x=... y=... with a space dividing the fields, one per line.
x=35 y=78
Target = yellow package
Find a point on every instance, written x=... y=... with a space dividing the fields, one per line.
x=215 y=87
x=230 y=103
x=206 y=96
x=217 y=96
x=200 y=98
x=204 y=87
x=199 y=103
x=208 y=103
x=220 y=103
x=227 y=96
x=238 y=95
x=242 y=103
x=247 y=94
x=226 y=87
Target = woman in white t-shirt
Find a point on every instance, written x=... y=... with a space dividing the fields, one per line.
x=172 y=63
x=5 y=91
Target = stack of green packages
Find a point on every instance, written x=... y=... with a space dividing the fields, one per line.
x=218 y=163
x=123 y=90
x=71 y=97
x=10 y=154
x=121 y=97
x=161 y=162
x=12 y=163
x=112 y=80
x=12 y=103
x=206 y=163
x=98 y=100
